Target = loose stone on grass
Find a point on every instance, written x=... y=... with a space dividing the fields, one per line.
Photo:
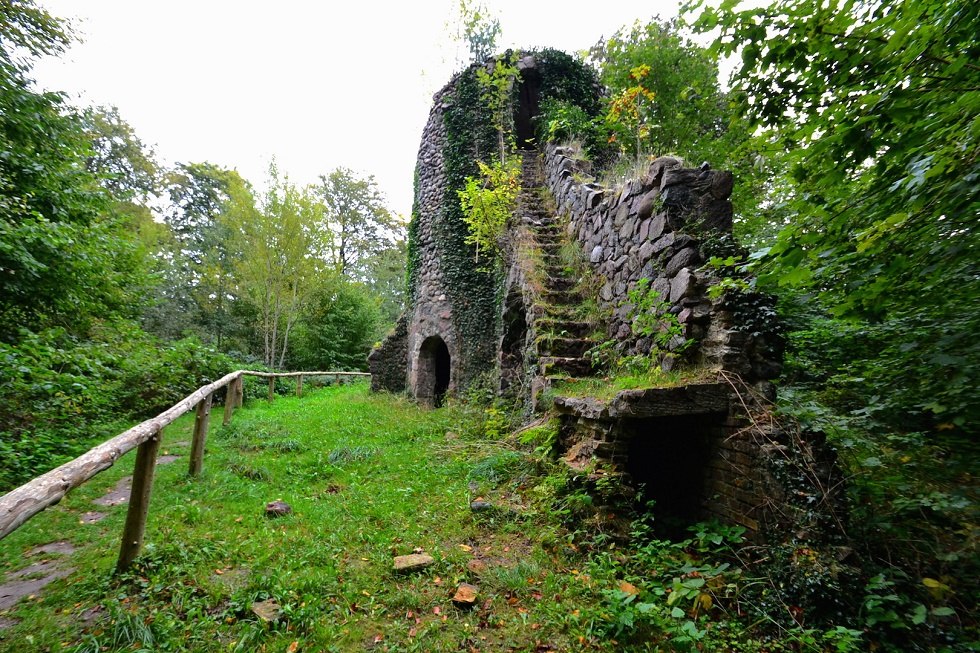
x=465 y=596
x=476 y=566
x=277 y=509
x=412 y=562
x=268 y=610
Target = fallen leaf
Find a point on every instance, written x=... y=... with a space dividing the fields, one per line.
x=628 y=588
x=437 y=610
x=465 y=547
x=293 y=647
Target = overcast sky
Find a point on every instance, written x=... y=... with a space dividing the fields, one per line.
x=316 y=84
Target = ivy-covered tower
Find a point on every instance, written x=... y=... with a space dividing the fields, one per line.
x=449 y=335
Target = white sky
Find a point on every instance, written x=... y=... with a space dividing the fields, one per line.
x=316 y=84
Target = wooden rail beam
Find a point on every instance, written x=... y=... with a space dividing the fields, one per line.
x=20 y=504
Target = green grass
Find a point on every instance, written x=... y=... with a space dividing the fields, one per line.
x=368 y=477
x=607 y=387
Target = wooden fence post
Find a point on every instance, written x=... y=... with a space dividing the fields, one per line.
x=272 y=388
x=139 y=502
x=239 y=391
x=229 y=402
x=299 y=385
x=201 y=422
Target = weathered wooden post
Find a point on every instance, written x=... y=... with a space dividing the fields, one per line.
x=229 y=402
x=139 y=501
x=239 y=391
x=299 y=385
x=201 y=422
x=272 y=388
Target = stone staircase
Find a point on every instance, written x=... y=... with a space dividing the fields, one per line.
x=562 y=335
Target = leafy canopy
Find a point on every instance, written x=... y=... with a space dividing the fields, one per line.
x=878 y=104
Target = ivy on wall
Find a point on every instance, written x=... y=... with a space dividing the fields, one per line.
x=474 y=291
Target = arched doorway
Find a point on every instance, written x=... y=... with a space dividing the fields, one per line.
x=434 y=371
x=527 y=108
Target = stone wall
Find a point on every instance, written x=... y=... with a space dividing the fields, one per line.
x=697 y=455
x=430 y=311
x=388 y=362
x=660 y=227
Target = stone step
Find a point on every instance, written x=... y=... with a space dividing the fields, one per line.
x=559 y=284
x=562 y=297
x=565 y=347
x=562 y=327
x=550 y=365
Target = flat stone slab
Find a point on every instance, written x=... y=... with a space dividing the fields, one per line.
x=61 y=547
x=694 y=399
x=30 y=580
x=117 y=495
x=268 y=610
x=412 y=562
x=8 y=622
x=167 y=459
x=91 y=517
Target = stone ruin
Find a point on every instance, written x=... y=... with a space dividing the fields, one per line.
x=703 y=450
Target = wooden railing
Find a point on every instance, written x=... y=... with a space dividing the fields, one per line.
x=19 y=505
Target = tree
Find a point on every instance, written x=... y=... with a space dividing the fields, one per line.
x=64 y=258
x=879 y=104
x=273 y=264
x=386 y=279
x=477 y=29
x=355 y=221
x=200 y=194
x=126 y=165
x=339 y=323
x=687 y=113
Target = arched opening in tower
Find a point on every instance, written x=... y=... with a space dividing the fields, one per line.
x=668 y=461
x=513 y=345
x=527 y=108
x=434 y=371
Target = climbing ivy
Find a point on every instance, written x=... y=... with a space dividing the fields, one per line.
x=471 y=138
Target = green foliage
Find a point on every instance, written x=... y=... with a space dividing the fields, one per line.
x=62 y=394
x=339 y=324
x=65 y=259
x=356 y=224
x=488 y=202
x=478 y=29
x=650 y=316
x=496 y=81
x=122 y=161
x=882 y=124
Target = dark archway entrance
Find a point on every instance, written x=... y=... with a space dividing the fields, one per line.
x=434 y=371
x=668 y=461
x=527 y=108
